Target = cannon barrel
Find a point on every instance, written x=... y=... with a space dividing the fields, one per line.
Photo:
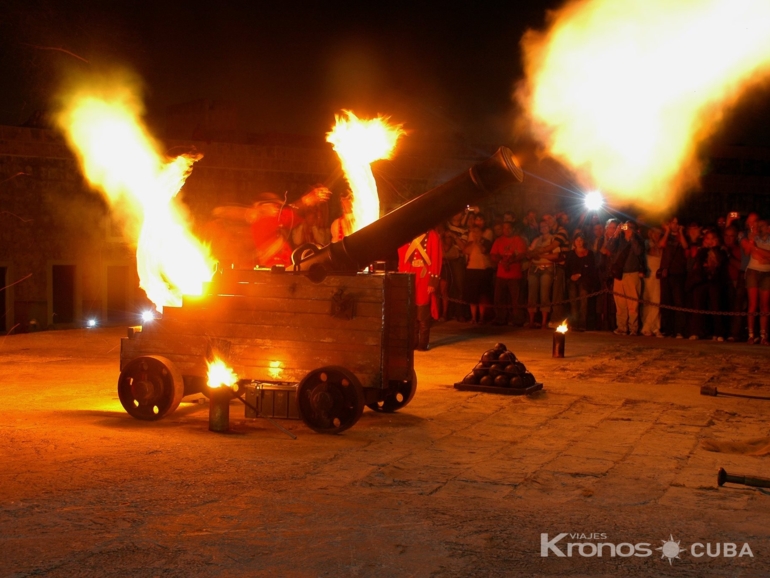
x=381 y=239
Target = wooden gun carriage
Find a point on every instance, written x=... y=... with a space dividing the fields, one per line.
x=344 y=337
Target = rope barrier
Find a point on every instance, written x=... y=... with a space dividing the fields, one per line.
x=629 y=298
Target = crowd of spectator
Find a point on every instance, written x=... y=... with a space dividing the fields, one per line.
x=539 y=271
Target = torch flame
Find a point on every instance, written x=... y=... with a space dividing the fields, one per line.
x=220 y=374
x=359 y=143
x=119 y=157
x=623 y=92
x=562 y=328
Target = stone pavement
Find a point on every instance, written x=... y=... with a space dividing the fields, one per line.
x=456 y=484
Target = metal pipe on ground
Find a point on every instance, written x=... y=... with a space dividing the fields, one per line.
x=723 y=477
x=219 y=409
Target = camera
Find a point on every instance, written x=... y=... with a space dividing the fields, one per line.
x=624 y=227
x=733 y=215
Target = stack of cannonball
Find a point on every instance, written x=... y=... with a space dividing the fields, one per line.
x=499 y=367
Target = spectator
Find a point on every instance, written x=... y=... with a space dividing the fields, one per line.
x=478 y=274
x=452 y=258
x=530 y=228
x=457 y=227
x=480 y=221
x=673 y=276
x=708 y=281
x=693 y=245
x=757 y=246
x=543 y=251
x=736 y=286
x=605 y=304
x=345 y=224
x=459 y=233
x=583 y=279
x=560 y=240
x=628 y=270
x=651 y=291
x=507 y=253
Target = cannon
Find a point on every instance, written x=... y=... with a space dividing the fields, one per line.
x=333 y=336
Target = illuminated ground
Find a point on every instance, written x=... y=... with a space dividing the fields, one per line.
x=458 y=484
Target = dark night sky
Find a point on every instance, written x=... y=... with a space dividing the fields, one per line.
x=290 y=66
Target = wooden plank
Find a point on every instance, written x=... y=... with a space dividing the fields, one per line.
x=300 y=291
x=192 y=343
x=248 y=348
x=332 y=333
x=266 y=276
x=365 y=287
x=300 y=320
x=243 y=303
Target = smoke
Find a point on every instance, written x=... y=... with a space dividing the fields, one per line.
x=624 y=93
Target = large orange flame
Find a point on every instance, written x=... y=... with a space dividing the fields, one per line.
x=120 y=158
x=623 y=92
x=359 y=143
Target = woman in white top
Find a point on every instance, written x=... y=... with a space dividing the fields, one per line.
x=651 y=292
x=542 y=252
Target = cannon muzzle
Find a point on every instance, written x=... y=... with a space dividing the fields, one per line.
x=381 y=239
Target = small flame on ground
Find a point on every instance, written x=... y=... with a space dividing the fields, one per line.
x=562 y=328
x=624 y=92
x=220 y=374
x=102 y=125
x=358 y=143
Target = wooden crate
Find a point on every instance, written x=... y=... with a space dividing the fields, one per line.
x=279 y=326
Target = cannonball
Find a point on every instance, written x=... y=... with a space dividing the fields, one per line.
x=490 y=356
x=511 y=369
x=487 y=380
x=471 y=379
x=507 y=357
x=496 y=369
x=500 y=347
x=480 y=370
x=528 y=379
x=516 y=381
x=502 y=380
x=520 y=367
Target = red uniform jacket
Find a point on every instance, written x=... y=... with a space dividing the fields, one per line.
x=422 y=257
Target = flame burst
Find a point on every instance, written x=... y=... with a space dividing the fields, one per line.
x=119 y=157
x=220 y=375
x=562 y=328
x=358 y=143
x=623 y=92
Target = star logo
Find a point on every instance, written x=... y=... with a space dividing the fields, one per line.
x=670 y=549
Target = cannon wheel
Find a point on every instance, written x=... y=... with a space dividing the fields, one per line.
x=150 y=387
x=330 y=399
x=397 y=397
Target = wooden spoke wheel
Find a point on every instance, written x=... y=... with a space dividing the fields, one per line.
x=330 y=399
x=398 y=396
x=150 y=387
